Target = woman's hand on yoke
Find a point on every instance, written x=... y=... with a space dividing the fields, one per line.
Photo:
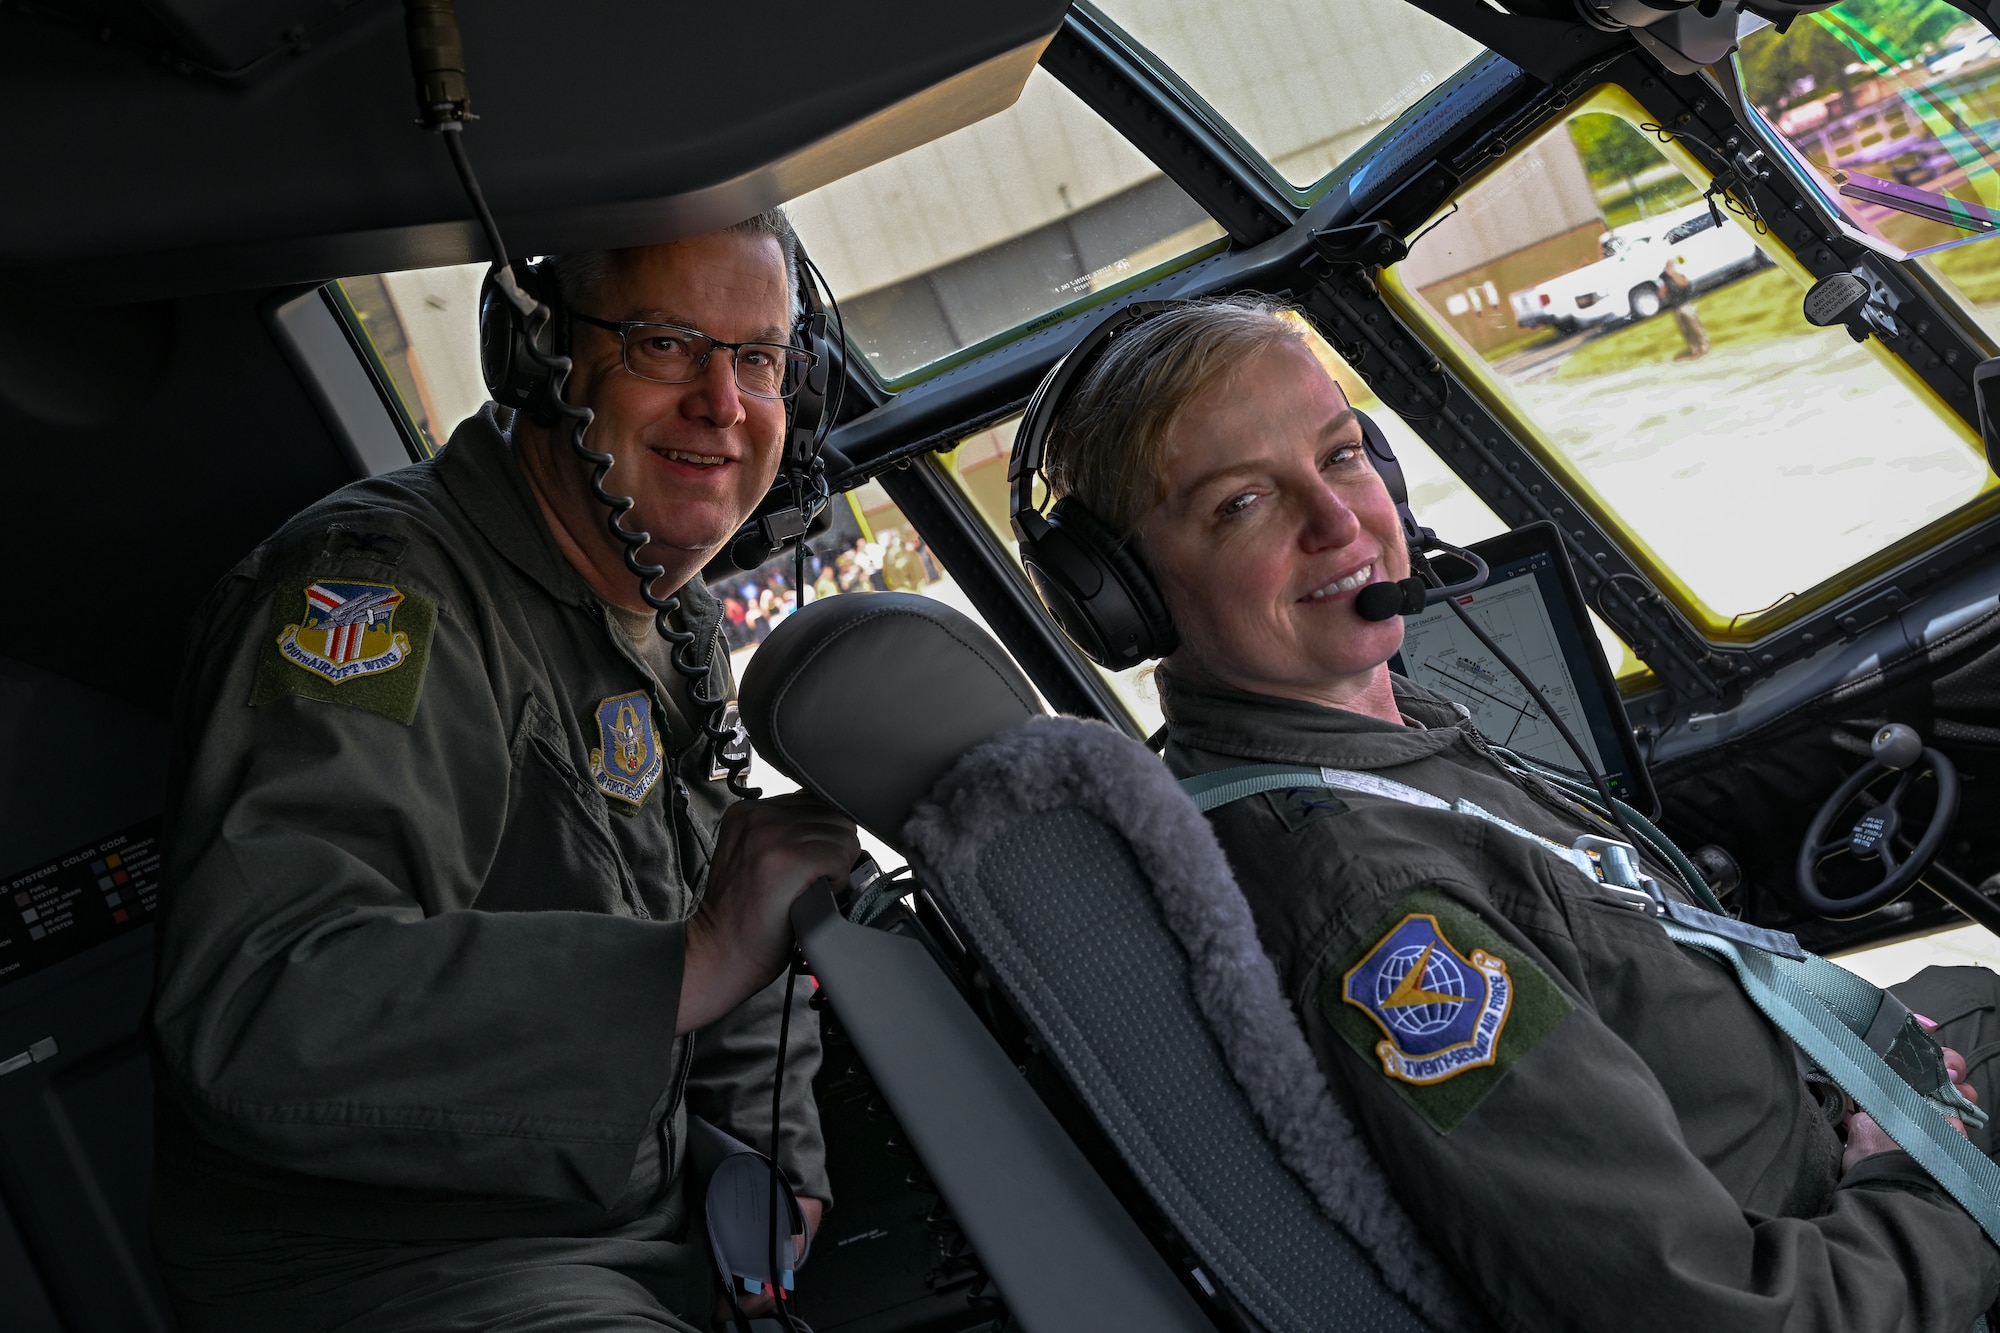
x=1865 y=1138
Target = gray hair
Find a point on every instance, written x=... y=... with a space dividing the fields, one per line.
x=580 y=277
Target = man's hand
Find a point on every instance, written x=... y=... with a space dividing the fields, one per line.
x=767 y=853
x=1865 y=1138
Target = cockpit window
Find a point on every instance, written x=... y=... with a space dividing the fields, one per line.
x=1891 y=108
x=423 y=327
x=1673 y=381
x=1304 y=82
x=956 y=243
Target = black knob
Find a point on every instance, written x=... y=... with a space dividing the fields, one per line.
x=1719 y=868
x=1897 y=746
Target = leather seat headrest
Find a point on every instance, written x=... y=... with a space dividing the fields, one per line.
x=866 y=699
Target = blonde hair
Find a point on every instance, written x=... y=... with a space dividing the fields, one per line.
x=1108 y=448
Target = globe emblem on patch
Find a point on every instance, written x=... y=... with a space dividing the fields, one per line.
x=1442 y=976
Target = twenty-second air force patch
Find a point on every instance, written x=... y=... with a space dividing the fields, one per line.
x=364 y=644
x=627 y=760
x=1442 y=1002
x=1441 y=1011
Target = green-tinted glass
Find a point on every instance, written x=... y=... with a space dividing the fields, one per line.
x=1893 y=108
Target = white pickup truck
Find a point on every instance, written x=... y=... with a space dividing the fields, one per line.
x=1625 y=284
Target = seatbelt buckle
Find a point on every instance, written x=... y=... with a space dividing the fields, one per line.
x=1617 y=867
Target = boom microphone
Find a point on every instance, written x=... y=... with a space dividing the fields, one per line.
x=1407 y=597
x=1380 y=601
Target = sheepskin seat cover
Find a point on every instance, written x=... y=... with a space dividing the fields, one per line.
x=1096 y=894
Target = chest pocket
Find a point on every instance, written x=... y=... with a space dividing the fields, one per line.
x=557 y=852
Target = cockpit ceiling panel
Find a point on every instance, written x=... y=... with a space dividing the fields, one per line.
x=599 y=124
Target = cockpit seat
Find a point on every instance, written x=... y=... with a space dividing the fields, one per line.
x=1093 y=894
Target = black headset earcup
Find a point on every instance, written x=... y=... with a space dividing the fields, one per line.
x=1390 y=469
x=512 y=376
x=807 y=408
x=1095 y=588
x=496 y=340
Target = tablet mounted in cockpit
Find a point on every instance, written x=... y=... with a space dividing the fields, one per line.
x=1533 y=608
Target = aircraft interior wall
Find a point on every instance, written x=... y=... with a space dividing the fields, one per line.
x=149 y=448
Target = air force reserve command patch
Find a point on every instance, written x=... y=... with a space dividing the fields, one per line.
x=365 y=644
x=627 y=760
x=1441 y=1004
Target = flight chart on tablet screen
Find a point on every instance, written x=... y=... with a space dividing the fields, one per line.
x=1441 y=654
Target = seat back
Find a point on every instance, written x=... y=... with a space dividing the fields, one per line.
x=1095 y=895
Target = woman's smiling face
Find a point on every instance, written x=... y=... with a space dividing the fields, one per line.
x=1272 y=520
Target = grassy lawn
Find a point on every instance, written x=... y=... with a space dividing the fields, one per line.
x=1974 y=270
x=1531 y=338
x=1756 y=309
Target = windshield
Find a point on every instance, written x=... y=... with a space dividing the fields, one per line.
x=1304 y=82
x=1664 y=364
x=1040 y=208
x=1891 y=108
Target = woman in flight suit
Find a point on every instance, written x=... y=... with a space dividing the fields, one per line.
x=1623 y=1141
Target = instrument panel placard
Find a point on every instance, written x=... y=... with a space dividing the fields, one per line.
x=99 y=891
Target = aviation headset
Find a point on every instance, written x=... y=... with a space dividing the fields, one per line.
x=525 y=383
x=1094 y=584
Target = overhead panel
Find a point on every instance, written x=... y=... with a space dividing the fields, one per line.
x=599 y=124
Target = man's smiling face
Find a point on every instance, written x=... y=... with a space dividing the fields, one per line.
x=695 y=457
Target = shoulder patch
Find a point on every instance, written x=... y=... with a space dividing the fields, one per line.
x=628 y=760
x=364 y=644
x=1442 y=1004
x=1294 y=806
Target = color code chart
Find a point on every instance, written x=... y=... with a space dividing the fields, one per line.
x=84 y=897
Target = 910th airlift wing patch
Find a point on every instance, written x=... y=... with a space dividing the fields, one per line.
x=1442 y=1004
x=365 y=644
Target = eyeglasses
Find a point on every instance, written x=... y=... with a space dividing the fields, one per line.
x=671 y=354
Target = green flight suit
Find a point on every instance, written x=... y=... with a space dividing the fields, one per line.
x=436 y=828
x=1634 y=1146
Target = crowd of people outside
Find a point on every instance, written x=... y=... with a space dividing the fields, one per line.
x=755 y=603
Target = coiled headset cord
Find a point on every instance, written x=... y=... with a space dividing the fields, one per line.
x=710 y=706
x=536 y=316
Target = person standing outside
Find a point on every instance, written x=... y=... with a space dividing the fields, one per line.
x=458 y=927
x=1677 y=294
x=902 y=571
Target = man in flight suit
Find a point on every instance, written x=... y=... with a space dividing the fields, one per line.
x=459 y=928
